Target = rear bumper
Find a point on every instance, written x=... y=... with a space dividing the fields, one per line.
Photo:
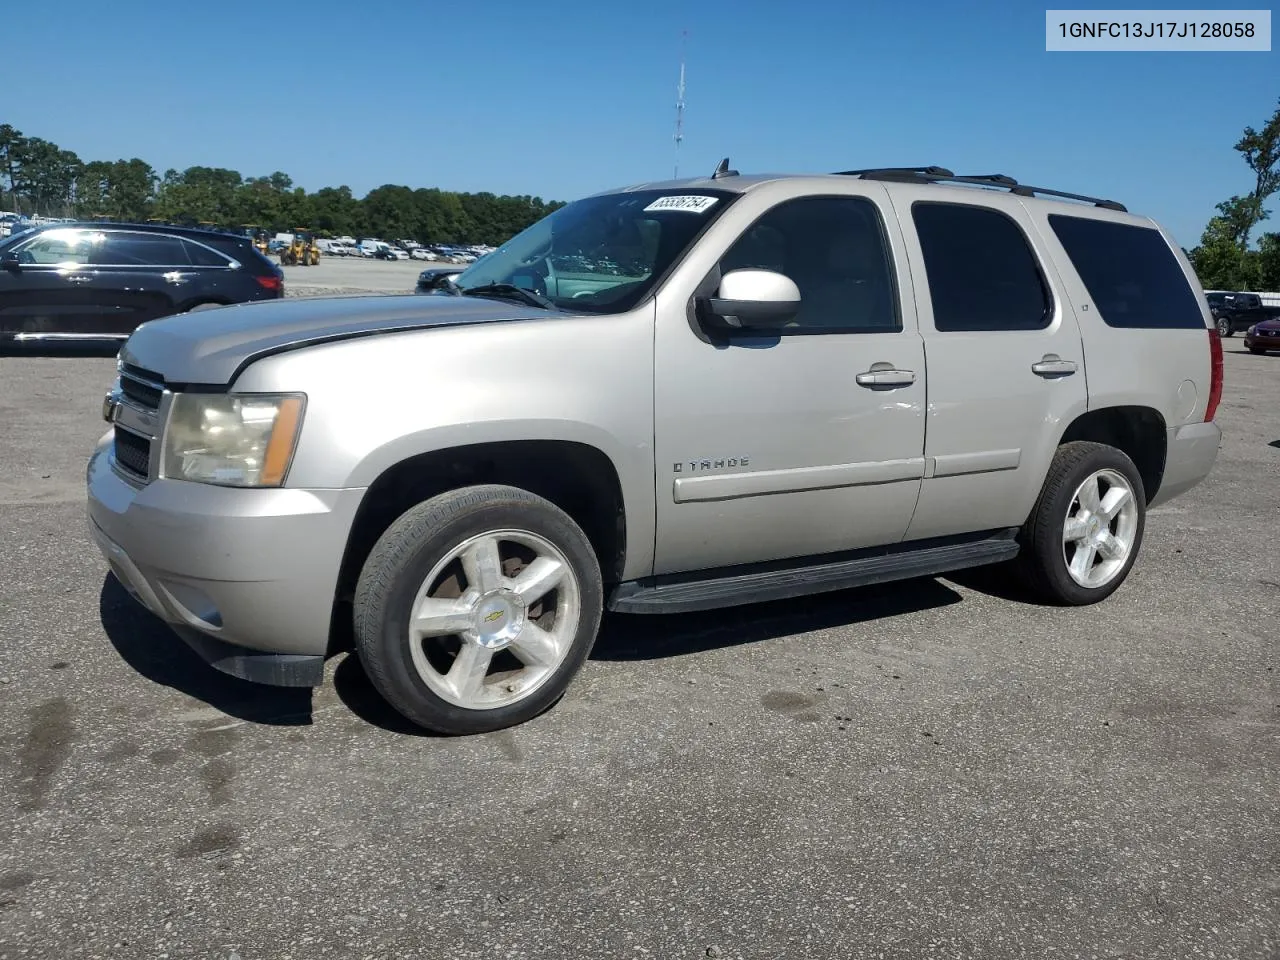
x=246 y=577
x=1191 y=453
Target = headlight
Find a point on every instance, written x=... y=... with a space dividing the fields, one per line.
x=233 y=440
x=1252 y=330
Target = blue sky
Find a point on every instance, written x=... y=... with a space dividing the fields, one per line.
x=561 y=99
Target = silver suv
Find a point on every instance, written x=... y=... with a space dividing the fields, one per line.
x=669 y=397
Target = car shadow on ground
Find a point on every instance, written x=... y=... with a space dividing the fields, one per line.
x=654 y=637
x=358 y=694
x=146 y=644
x=106 y=350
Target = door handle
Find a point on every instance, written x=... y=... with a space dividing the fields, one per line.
x=78 y=278
x=1053 y=366
x=174 y=277
x=886 y=378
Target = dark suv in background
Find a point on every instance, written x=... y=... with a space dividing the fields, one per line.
x=1233 y=311
x=99 y=281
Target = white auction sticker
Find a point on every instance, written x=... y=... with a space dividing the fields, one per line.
x=686 y=203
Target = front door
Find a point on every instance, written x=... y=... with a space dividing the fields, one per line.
x=1006 y=362
x=48 y=294
x=779 y=444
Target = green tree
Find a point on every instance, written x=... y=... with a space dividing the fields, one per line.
x=1261 y=151
x=119 y=190
x=1219 y=262
x=10 y=141
x=1223 y=260
x=38 y=176
x=45 y=175
x=1268 y=260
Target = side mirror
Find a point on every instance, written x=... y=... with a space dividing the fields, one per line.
x=754 y=298
x=9 y=261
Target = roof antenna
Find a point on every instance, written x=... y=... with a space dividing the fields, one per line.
x=684 y=37
x=723 y=170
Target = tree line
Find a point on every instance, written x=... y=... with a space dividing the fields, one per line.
x=38 y=177
x=1226 y=258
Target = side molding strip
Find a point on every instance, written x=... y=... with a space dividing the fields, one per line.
x=730 y=486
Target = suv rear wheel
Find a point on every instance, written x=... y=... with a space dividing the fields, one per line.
x=1086 y=529
x=476 y=609
x=1224 y=327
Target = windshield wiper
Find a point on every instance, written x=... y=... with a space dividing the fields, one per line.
x=509 y=290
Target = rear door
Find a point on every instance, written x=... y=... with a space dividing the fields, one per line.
x=141 y=276
x=1004 y=355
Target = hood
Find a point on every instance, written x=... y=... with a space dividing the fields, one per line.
x=211 y=346
x=1271 y=323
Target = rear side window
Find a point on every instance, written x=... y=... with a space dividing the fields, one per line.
x=1132 y=276
x=141 y=250
x=243 y=251
x=202 y=256
x=981 y=270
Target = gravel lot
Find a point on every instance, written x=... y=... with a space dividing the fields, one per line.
x=930 y=770
x=337 y=276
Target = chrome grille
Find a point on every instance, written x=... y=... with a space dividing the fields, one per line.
x=132 y=452
x=141 y=386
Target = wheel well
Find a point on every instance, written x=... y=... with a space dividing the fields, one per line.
x=1138 y=431
x=576 y=477
x=203 y=302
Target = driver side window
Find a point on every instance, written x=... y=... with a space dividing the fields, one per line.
x=834 y=250
x=57 y=247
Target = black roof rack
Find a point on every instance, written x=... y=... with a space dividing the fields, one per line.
x=891 y=173
x=942 y=175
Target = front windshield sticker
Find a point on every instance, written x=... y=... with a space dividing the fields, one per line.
x=687 y=204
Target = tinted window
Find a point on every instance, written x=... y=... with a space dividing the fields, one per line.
x=202 y=256
x=141 y=250
x=58 y=246
x=834 y=249
x=1130 y=273
x=981 y=271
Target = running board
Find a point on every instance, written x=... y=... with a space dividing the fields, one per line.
x=682 y=593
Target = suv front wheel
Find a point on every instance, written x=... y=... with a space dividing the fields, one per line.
x=476 y=608
x=1085 y=531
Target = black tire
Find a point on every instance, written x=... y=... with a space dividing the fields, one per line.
x=401 y=560
x=1256 y=350
x=1041 y=562
x=1224 y=328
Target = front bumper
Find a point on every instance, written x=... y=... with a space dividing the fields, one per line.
x=246 y=577
x=1255 y=341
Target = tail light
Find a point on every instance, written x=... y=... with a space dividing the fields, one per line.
x=270 y=282
x=1215 y=383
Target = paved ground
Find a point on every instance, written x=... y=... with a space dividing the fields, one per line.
x=346 y=275
x=931 y=770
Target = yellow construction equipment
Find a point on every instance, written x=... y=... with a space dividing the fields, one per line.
x=303 y=252
x=258 y=234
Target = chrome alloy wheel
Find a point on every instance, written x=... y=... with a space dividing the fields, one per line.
x=494 y=619
x=1100 y=529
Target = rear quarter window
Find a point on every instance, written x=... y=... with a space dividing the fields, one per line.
x=1132 y=276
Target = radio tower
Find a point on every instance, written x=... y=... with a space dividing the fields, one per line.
x=684 y=36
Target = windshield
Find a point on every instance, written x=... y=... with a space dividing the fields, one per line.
x=600 y=254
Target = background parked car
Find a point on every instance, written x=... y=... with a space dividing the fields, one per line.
x=1264 y=336
x=97 y=281
x=1234 y=311
x=433 y=278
